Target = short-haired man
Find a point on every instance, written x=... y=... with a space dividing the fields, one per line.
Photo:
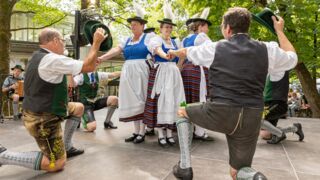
x=238 y=67
x=45 y=103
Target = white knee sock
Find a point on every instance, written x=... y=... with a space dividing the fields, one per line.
x=31 y=160
x=160 y=132
x=136 y=127
x=185 y=139
x=199 y=131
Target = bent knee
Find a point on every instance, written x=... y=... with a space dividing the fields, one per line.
x=78 y=109
x=112 y=101
x=15 y=97
x=58 y=165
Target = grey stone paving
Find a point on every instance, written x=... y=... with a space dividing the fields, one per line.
x=108 y=157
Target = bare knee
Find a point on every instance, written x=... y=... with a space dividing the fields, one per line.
x=112 y=101
x=15 y=97
x=92 y=126
x=265 y=134
x=79 y=109
x=58 y=165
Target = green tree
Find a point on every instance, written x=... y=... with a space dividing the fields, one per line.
x=301 y=26
x=44 y=15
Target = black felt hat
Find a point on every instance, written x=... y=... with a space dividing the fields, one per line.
x=202 y=20
x=167 y=21
x=136 y=18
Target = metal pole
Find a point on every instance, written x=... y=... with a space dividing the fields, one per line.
x=77 y=35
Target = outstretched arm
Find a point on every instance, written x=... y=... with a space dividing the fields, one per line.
x=113 y=52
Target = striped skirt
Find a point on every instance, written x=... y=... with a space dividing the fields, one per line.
x=191 y=76
x=151 y=108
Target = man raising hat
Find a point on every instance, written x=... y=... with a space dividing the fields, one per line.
x=45 y=103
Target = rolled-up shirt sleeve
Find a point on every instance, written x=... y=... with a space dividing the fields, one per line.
x=103 y=75
x=202 y=55
x=53 y=66
x=78 y=80
x=6 y=83
x=280 y=60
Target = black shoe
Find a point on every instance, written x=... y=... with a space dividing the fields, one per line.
x=204 y=137
x=259 y=176
x=150 y=133
x=138 y=139
x=184 y=174
x=2 y=149
x=299 y=131
x=275 y=139
x=109 y=125
x=165 y=144
x=16 y=118
x=130 y=139
x=74 y=152
x=172 y=142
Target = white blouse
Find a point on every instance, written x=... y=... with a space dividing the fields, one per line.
x=157 y=41
x=146 y=40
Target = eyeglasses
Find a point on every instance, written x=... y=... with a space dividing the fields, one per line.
x=62 y=40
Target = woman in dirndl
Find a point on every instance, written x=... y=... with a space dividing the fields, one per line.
x=165 y=87
x=195 y=78
x=134 y=75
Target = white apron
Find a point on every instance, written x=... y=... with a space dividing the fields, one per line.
x=133 y=88
x=168 y=83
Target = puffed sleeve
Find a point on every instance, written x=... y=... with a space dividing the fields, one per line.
x=154 y=43
x=201 y=38
x=123 y=42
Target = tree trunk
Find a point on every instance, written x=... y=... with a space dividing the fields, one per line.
x=309 y=89
x=5 y=35
x=84 y=4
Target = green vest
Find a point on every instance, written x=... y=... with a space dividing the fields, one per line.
x=278 y=90
x=88 y=90
x=60 y=98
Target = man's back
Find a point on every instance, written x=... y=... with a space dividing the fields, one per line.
x=238 y=72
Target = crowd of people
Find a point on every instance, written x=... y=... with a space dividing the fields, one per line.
x=222 y=83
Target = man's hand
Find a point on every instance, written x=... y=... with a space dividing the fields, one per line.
x=99 y=36
x=182 y=112
x=278 y=24
x=13 y=86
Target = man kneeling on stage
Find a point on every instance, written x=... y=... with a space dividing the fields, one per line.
x=88 y=84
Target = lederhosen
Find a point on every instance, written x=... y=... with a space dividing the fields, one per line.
x=236 y=81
